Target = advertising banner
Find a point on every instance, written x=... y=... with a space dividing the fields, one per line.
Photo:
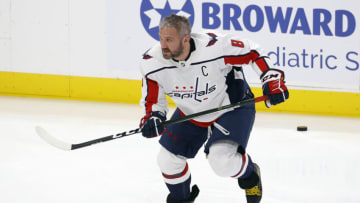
x=316 y=43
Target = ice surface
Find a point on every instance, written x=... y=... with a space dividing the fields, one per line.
x=320 y=165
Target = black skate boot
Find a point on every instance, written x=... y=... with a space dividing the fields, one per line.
x=252 y=186
x=194 y=193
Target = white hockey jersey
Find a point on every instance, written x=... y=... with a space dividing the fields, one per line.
x=202 y=81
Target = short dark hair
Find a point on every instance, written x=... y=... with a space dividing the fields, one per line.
x=180 y=23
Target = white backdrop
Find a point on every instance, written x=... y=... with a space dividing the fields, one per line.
x=315 y=42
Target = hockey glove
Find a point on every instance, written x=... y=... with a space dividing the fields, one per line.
x=151 y=126
x=273 y=86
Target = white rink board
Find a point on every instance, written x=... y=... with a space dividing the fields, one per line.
x=107 y=38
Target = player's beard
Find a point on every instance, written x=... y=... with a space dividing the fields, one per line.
x=173 y=54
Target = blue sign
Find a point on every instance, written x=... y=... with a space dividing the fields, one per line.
x=153 y=11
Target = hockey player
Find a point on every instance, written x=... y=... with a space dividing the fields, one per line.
x=200 y=72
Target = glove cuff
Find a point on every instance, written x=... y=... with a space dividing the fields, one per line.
x=267 y=73
x=158 y=114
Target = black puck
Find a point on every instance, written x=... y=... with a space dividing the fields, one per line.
x=302 y=128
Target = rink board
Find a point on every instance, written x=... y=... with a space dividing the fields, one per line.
x=128 y=91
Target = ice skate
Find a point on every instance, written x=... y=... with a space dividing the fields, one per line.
x=254 y=193
x=194 y=193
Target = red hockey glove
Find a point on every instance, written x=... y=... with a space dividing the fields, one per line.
x=273 y=86
x=151 y=126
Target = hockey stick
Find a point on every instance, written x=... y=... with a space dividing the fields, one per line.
x=68 y=146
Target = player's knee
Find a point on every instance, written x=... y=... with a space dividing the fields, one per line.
x=169 y=163
x=224 y=159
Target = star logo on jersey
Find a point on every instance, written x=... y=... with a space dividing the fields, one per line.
x=153 y=11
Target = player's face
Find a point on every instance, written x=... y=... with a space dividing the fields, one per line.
x=171 y=44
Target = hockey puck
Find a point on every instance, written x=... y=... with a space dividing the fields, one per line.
x=302 y=128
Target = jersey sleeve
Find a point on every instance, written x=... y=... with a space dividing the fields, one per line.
x=152 y=92
x=243 y=51
x=153 y=96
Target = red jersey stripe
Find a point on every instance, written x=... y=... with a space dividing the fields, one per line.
x=261 y=63
x=152 y=94
x=242 y=59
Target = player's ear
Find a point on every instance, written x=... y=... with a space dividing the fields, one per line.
x=186 y=39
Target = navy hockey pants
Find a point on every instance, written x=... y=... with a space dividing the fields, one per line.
x=185 y=139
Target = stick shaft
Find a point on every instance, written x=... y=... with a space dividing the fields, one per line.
x=62 y=145
x=233 y=105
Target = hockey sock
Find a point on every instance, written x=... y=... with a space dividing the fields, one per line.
x=249 y=178
x=249 y=169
